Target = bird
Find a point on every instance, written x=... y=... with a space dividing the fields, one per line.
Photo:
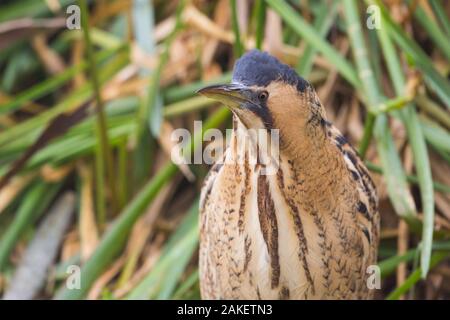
x=308 y=228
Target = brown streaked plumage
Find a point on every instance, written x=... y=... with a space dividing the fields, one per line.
x=309 y=228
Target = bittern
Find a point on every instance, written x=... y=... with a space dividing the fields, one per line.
x=309 y=229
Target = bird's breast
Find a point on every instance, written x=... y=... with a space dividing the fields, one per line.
x=285 y=235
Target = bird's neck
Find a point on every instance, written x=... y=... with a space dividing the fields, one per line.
x=306 y=149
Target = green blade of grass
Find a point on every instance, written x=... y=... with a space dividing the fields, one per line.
x=121 y=122
x=160 y=283
x=369 y=124
x=238 y=47
x=439 y=11
x=412 y=179
x=80 y=140
x=184 y=291
x=440 y=40
x=105 y=39
x=433 y=109
x=260 y=22
x=361 y=57
x=432 y=77
x=415 y=277
x=418 y=146
x=75 y=99
x=371 y=90
x=115 y=238
x=437 y=136
x=187 y=105
x=322 y=24
x=388 y=266
x=53 y=83
x=149 y=115
x=310 y=35
x=179 y=93
x=393 y=171
x=397 y=103
x=69 y=149
x=35 y=201
x=103 y=150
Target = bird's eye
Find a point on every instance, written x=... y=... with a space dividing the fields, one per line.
x=263 y=95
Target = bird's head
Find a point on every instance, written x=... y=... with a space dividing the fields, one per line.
x=267 y=94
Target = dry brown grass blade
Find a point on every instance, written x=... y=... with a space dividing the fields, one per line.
x=51 y=174
x=196 y=19
x=53 y=5
x=20 y=29
x=172 y=149
x=7 y=121
x=87 y=225
x=132 y=87
x=52 y=62
x=200 y=22
x=341 y=118
x=29 y=107
x=442 y=223
x=141 y=59
x=2 y=282
x=14 y=187
x=388 y=233
x=113 y=8
x=443 y=204
x=243 y=16
x=203 y=49
x=76 y=58
x=154 y=250
x=182 y=57
x=402 y=247
x=220 y=16
x=71 y=245
x=143 y=229
x=164 y=28
x=105 y=278
x=273 y=41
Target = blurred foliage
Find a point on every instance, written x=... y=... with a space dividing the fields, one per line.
x=90 y=112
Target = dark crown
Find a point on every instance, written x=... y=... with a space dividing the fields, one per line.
x=260 y=68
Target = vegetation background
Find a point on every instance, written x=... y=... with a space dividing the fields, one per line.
x=86 y=118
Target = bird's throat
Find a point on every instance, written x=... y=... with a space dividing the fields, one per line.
x=306 y=148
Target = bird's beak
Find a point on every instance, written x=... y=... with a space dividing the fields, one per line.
x=233 y=95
